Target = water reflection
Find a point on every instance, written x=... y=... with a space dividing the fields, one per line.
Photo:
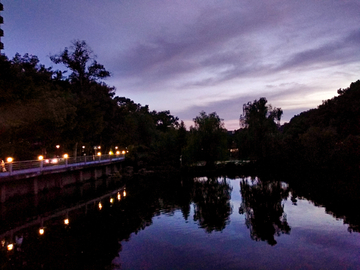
x=262 y=204
x=95 y=233
x=212 y=203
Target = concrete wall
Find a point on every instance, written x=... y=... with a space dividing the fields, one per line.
x=12 y=187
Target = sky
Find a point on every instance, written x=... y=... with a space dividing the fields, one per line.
x=189 y=56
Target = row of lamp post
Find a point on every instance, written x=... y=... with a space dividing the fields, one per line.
x=97 y=149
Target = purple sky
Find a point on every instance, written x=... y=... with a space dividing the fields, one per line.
x=187 y=56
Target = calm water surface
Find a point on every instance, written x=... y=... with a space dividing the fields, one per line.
x=201 y=223
x=264 y=230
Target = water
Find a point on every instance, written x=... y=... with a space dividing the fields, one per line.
x=201 y=223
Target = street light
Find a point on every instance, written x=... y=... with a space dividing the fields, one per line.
x=66 y=156
x=57 y=150
x=41 y=159
x=10 y=160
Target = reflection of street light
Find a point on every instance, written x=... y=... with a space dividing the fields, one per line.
x=10 y=247
x=66 y=219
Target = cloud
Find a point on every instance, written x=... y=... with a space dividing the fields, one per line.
x=217 y=38
x=334 y=53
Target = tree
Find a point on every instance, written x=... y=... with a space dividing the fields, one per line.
x=208 y=141
x=93 y=98
x=77 y=58
x=261 y=123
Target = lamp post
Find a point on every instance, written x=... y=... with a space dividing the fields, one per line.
x=10 y=160
x=66 y=156
x=57 y=150
x=41 y=159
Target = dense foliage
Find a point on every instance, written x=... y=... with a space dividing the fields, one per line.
x=41 y=108
x=329 y=135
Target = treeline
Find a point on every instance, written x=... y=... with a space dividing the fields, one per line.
x=41 y=108
x=51 y=112
x=328 y=136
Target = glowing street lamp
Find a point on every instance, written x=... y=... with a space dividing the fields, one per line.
x=57 y=152
x=100 y=206
x=66 y=156
x=10 y=160
x=41 y=231
x=41 y=159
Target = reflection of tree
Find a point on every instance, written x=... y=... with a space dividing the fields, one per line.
x=264 y=213
x=212 y=204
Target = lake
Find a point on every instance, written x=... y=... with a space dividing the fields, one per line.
x=185 y=223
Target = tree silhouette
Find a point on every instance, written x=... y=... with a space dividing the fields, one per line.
x=260 y=122
x=77 y=59
x=212 y=204
x=263 y=209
